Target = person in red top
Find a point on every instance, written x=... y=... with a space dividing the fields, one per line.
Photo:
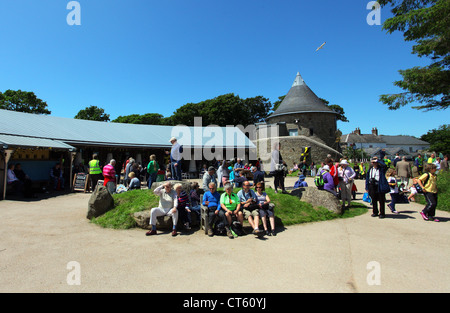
x=109 y=173
x=333 y=170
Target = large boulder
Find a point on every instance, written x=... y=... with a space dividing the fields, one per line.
x=318 y=198
x=162 y=222
x=100 y=202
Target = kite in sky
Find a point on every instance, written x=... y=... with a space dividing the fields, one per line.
x=321 y=46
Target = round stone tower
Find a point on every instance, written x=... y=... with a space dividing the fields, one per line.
x=305 y=114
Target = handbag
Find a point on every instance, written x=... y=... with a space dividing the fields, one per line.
x=278 y=167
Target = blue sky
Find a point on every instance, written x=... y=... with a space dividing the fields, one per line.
x=136 y=57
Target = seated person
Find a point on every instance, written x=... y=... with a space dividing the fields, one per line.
x=13 y=181
x=195 y=199
x=248 y=200
x=168 y=204
x=216 y=214
x=265 y=209
x=184 y=211
x=25 y=179
x=258 y=176
x=239 y=178
x=301 y=182
x=56 y=177
x=135 y=183
x=230 y=203
x=328 y=180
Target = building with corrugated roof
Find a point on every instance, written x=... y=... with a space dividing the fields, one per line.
x=38 y=142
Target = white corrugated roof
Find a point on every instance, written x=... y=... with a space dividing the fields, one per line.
x=75 y=131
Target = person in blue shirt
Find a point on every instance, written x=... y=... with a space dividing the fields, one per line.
x=301 y=182
x=250 y=206
x=211 y=199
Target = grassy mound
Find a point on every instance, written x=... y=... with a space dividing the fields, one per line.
x=289 y=210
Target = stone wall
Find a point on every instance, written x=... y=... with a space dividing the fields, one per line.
x=291 y=149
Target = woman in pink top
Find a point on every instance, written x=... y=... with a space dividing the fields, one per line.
x=109 y=174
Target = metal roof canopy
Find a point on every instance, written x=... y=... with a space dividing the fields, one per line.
x=10 y=141
x=84 y=132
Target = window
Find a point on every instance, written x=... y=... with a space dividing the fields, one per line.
x=293 y=132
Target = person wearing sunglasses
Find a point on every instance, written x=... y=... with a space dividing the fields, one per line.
x=248 y=200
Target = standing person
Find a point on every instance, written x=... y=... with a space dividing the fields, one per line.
x=395 y=197
x=26 y=181
x=428 y=183
x=109 y=174
x=175 y=158
x=346 y=177
x=333 y=171
x=362 y=170
x=276 y=168
x=128 y=169
x=219 y=173
x=209 y=177
x=444 y=164
x=403 y=169
x=418 y=162
x=152 y=170
x=95 y=171
x=168 y=204
x=12 y=180
x=377 y=187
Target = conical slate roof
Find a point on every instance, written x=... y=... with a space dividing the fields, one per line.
x=301 y=99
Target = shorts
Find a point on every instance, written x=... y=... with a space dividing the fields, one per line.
x=248 y=213
x=263 y=213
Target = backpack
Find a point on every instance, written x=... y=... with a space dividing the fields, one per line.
x=417 y=186
x=319 y=181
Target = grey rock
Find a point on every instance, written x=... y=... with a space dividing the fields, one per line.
x=318 y=198
x=100 y=202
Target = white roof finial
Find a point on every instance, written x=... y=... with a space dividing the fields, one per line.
x=298 y=80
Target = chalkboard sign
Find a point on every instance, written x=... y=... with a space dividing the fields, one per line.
x=81 y=182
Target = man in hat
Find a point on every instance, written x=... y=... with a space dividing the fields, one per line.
x=175 y=158
x=346 y=175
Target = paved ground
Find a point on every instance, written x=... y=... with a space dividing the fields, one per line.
x=401 y=253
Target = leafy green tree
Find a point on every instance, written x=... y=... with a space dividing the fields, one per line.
x=93 y=113
x=426 y=22
x=22 y=101
x=439 y=139
x=148 y=119
x=223 y=110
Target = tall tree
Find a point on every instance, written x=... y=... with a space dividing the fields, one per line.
x=93 y=113
x=228 y=109
x=426 y=22
x=439 y=139
x=22 y=101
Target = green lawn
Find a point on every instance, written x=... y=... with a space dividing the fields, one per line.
x=289 y=210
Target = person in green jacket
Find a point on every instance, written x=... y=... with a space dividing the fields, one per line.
x=152 y=170
x=231 y=204
x=95 y=171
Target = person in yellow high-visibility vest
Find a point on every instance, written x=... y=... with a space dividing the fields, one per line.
x=95 y=171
